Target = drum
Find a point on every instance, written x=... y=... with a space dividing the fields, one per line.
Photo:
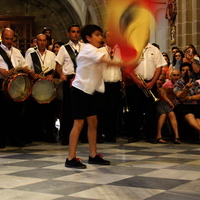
x=44 y=91
x=17 y=86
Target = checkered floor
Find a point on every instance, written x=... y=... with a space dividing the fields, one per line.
x=138 y=171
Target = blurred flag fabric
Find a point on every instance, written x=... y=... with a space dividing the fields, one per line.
x=130 y=20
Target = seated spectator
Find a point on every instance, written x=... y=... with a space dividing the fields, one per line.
x=196 y=56
x=187 y=93
x=169 y=85
x=178 y=55
x=165 y=110
x=190 y=53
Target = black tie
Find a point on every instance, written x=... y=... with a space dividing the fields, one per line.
x=76 y=52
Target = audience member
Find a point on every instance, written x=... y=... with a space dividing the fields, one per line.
x=187 y=95
x=56 y=47
x=33 y=42
x=48 y=33
x=190 y=52
x=33 y=46
x=174 y=50
x=169 y=85
x=165 y=111
x=196 y=56
x=178 y=55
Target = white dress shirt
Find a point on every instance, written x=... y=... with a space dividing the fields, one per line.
x=16 y=58
x=112 y=73
x=64 y=59
x=47 y=60
x=151 y=59
x=89 y=75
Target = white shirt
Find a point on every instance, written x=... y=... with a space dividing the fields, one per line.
x=16 y=58
x=47 y=60
x=89 y=76
x=151 y=59
x=64 y=59
x=29 y=50
x=112 y=73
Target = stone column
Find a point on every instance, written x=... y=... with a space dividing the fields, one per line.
x=188 y=18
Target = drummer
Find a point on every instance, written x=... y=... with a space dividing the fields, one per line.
x=11 y=111
x=41 y=116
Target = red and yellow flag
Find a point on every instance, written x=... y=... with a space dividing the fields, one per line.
x=130 y=20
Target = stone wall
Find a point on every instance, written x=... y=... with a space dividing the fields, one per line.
x=187 y=23
x=57 y=14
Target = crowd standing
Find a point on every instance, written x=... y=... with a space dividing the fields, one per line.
x=85 y=85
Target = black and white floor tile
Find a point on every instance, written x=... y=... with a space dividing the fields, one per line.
x=139 y=171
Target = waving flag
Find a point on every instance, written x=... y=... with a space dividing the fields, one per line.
x=130 y=20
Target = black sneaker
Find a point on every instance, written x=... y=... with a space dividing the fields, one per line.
x=74 y=163
x=98 y=160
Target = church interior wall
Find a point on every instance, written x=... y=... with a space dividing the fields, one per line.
x=59 y=14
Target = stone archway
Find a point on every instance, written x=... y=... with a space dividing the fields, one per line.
x=57 y=14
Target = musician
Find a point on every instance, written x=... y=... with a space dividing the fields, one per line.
x=42 y=115
x=109 y=101
x=11 y=111
x=65 y=67
x=150 y=67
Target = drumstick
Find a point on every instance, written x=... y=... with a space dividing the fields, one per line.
x=11 y=71
x=44 y=71
x=15 y=69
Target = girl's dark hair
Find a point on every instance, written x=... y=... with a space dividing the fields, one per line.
x=87 y=30
x=59 y=43
x=46 y=29
x=174 y=57
x=186 y=64
x=166 y=55
x=33 y=38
